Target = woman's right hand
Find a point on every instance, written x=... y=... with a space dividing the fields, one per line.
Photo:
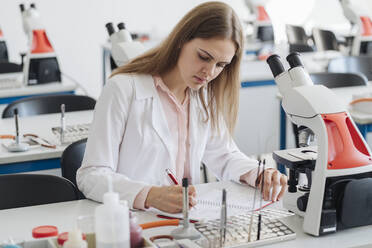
x=169 y=198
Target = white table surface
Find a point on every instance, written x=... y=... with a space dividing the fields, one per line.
x=259 y=70
x=66 y=85
x=346 y=93
x=40 y=125
x=18 y=223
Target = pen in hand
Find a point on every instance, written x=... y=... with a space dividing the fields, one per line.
x=173 y=179
x=171 y=176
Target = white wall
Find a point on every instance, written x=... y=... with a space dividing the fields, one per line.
x=77 y=31
x=76 y=27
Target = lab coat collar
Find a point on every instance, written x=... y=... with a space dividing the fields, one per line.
x=145 y=87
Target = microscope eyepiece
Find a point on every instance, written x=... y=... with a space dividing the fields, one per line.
x=32 y=5
x=110 y=28
x=275 y=64
x=22 y=7
x=294 y=60
x=121 y=26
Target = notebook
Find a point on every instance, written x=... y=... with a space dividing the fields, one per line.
x=239 y=200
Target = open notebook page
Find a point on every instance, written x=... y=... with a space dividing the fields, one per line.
x=209 y=196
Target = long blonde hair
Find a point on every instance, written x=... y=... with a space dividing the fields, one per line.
x=207 y=20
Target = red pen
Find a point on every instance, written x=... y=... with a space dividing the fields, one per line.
x=171 y=176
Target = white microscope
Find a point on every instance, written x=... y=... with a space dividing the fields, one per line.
x=262 y=26
x=41 y=65
x=123 y=48
x=10 y=73
x=3 y=48
x=339 y=190
x=361 y=27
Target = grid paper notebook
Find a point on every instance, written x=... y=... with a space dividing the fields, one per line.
x=239 y=200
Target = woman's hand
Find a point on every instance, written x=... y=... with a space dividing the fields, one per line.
x=169 y=198
x=274 y=182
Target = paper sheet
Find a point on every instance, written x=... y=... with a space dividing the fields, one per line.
x=239 y=200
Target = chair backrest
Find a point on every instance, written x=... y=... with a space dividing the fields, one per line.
x=9 y=67
x=71 y=160
x=296 y=35
x=300 y=48
x=48 y=104
x=23 y=190
x=325 y=40
x=336 y=80
x=265 y=33
x=352 y=64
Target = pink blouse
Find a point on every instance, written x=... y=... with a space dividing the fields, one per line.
x=178 y=123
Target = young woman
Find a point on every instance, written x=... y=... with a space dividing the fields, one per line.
x=173 y=107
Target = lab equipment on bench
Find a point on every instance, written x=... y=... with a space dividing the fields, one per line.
x=41 y=64
x=32 y=140
x=273 y=230
x=75 y=240
x=259 y=211
x=362 y=103
x=223 y=219
x=63 y=124
x=250 y=229
x=17 y=145
x=187 y=230
x=72 y=133
x=123 y=48
x=262 y=26
x=10 y=73
x=112 y=221
x=3 y=48
x=260 y=32
x=228 y=230
x=338 y=193
x=361 y=27
x=254 y=204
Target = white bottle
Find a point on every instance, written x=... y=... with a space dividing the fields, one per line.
x=112 y=222
x=75 y=240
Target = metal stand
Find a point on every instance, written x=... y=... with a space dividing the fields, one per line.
x=187 y=230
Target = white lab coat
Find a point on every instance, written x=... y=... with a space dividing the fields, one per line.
x=129 y=139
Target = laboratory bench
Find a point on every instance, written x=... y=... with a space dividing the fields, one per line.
x=17 y=224
x=13 y=94
x=38 y=158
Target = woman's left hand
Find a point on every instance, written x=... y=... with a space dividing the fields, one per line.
x=274 y=182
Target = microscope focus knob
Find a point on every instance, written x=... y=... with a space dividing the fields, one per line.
x=302 y=202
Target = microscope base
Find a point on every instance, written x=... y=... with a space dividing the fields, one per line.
x=290 y=202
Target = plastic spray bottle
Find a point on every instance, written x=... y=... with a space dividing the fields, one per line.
x=112 y=221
